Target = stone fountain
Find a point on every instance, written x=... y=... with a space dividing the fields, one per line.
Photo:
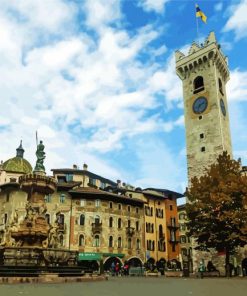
x=34 y=242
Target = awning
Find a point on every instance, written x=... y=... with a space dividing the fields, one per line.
x=90 y=256
x=113 y=255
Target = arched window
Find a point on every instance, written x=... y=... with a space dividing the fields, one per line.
x=198 y=84
x=220 y=86
x=96 y=241
x=47 y=218
x=129 y=223
x=138 y=244
x=184 y=251
x=97 y=220
x=110 y=222
x=119 y=242
x=129 y=243
x=110 y=241
x=81 y=240
x=153 y=245
x=137 y=225
x=119 y=223
x=160 y=229
x=82 y=219
x=110 y=205
x=60 y=219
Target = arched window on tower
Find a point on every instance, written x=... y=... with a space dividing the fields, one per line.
x=198 y=84
x=110 y=222
x=110 y=242
x=119 y=223
x=220 y=87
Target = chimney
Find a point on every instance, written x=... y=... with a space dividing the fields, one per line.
x=118 y=183
x=85 y=167
x=75 y=167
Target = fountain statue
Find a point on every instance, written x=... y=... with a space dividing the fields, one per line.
x=34 y=241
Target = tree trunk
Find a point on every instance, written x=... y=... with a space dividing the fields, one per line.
x=227 y=263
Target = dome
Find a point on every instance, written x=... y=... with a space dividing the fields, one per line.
x=18 y=165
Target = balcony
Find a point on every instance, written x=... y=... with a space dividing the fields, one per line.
x=96 y=227
x=130 y=231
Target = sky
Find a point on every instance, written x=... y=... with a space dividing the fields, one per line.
x=97 y=80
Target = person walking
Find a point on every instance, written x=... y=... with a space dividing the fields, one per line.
x=201 y=269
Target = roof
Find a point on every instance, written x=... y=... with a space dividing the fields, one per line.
x=181 y=207
x=166 y=192
x=93 y=192
x=68 y=185
x=10 y=184
x=84 y=172
x=17 y=165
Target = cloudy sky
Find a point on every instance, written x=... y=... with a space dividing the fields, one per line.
x=97 y=80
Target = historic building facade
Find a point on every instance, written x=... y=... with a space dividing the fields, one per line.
x=103 y=220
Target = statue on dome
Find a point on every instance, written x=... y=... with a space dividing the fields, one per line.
x=40 y=153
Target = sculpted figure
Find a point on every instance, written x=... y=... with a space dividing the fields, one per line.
x=40 y=153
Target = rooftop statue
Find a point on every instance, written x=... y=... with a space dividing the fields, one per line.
x=39 y=167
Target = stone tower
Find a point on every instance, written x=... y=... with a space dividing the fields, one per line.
x=204 y=73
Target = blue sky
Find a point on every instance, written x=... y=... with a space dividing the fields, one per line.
x=97 y=80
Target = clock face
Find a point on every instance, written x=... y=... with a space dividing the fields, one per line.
x=200 y=105
x=222 y=107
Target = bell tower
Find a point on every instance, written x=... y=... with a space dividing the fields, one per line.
x=204 y=73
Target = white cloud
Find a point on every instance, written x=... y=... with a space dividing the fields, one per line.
x=238 y=21
x=237 y=86
x=153 y=5
x=218 y=6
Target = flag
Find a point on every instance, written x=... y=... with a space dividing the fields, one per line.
x=200 y=14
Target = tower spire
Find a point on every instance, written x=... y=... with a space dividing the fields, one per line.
x=20 y=151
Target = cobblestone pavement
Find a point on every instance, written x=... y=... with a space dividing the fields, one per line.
x=134 y=286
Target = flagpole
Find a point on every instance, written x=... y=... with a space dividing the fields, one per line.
x=197 y=26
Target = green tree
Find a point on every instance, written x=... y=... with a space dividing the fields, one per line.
x=217 y=207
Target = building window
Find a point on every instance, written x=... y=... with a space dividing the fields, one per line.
x=188 y=239
x=153 y=246
x=170 y=207
x=97 y=220
x=129 y=243
x=82 y=202
x=201 y=136
x=203 y=149
x=110 y=242
x=198 y=84
x=220 y=87
x=7 y=196
x=47 y=218
x=182 y=239
x=119 y=242
x=119 y=206
x=5 y=218
x=128 y=208
x=97 y=203
x=138 y=244
x=82 y=219
x=48 y=198
x=129 y=223
x=184 y=252
x=102 y=185
x=137 y=210
x=110 y=222
x=200 y=117
x=60 y=219
x=173 y=221
x=119 y=223
x=92 y=182
x=96 y=241
x=173 y=248
x=110 y=205
x=137 y=225
x=81 y=240
x=69 y=177
x=62 y=198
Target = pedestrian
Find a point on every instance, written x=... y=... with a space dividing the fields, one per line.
x=113 y=268
x=201 y=269
x=117 y=268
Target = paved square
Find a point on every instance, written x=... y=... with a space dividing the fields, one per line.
x=134 y=286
